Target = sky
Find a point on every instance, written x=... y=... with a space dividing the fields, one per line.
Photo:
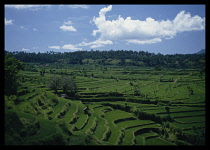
x=165 y=29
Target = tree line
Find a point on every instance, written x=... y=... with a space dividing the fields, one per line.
x=119 y=57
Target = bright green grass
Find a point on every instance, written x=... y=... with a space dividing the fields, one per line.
x=83 y=118
x=102 y=126
x=129 y=134
x=117 y=114
x=26 y=96
x=148 y=134
x=91 y=124
x=70 y=113
x=57 y=108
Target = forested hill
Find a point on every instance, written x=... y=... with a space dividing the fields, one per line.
x=120 y=57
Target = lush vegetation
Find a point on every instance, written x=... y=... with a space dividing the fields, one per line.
x=104 y=98
x=119 y=57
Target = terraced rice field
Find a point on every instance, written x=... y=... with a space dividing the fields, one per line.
x=112 y=103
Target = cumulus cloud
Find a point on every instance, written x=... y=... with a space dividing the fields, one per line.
x=67 y=46
x=144 y=32
x=66 y=26
x=8 y=22
x=184 y=22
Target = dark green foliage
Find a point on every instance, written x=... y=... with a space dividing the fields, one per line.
x=65 y=83
x=13 y=126
x=194 y=139
x=12 y=67
x=167 y=118
x=54 y=83
x=42 y=72
x=140 y=58
x=63 y=126
x=29 y=128
x=167 y=110
x=68 y=86
x=55 y=139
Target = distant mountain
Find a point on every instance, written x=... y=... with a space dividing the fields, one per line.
x=203 y=51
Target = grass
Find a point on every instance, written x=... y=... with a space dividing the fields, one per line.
x=57 y=108
x=129 y=134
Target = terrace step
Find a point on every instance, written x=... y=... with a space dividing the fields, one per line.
x=189 y=122
x=187 y=116
x=140 y=125
x=180 y=111
x=124 y=119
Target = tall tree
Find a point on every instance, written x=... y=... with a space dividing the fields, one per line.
x=69 y=86
x=55 y=84
x=12 y=67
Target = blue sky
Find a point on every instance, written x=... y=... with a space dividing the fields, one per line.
x=165 y=29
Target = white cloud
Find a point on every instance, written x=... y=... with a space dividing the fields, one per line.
x=25 y=49
x=8 y=22
x=96 y=43
x=67 y=46
x=54 y=47
x=70 y=47
x=78 y=6
x=30 y=7
x=144 y=32
x=67 y=28
x=184 y=22
x=155 y=40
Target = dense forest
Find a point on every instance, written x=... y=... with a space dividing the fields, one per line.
x=120 y=57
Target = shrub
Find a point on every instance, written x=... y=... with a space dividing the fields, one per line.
x=13 y=126
x=167 y=118
x=63 y=126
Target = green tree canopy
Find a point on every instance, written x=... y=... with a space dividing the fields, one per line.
x=12 y=67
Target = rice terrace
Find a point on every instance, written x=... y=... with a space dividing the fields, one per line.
x=105 y=75
x=110 y=100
